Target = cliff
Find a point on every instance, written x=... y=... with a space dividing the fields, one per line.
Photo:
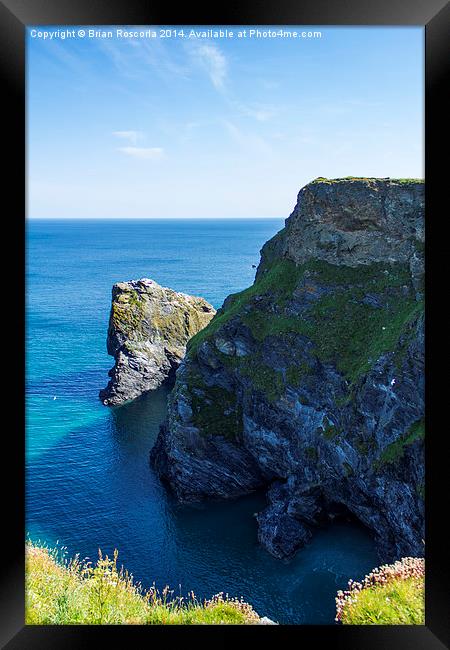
x=149 y=327
x=310 y=383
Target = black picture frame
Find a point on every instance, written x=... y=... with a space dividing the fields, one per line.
x=15 y=15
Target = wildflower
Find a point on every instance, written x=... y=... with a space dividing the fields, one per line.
x=407 y=567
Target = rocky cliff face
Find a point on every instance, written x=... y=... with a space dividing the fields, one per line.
x=149 y=327
x=311 y=382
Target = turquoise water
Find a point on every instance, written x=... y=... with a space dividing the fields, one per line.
x=89 y=483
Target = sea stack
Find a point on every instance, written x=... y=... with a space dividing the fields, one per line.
x=149 y=327
x=310 y=383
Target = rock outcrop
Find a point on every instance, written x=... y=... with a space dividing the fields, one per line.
x=310 y=383
x=149 y=327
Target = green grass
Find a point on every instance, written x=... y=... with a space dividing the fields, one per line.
x=296 y=372
x=405 y=181
x=280 y=279
x=394 y=452
x=59 y=592
x=392 y=594
x=400 y=602
x=346 y=331
x=353 y=335
x=217 y=412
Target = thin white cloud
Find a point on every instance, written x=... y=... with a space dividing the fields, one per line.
x=206 y=56
x=155 y=54
x=211 y=59
x=131 y=136
x=132 y=57
x=144 y=153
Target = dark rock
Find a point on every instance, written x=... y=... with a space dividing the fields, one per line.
x=312 y=380
x=280 y=533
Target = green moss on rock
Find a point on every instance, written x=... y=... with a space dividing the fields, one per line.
x=216 y=411
x=346 y=329
x=297 y=372
x=127 y=313
x=395 y=451
x=264 y=378
x=280 y=280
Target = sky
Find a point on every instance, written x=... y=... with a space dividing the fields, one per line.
x=204 y=127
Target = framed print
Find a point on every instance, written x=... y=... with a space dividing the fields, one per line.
x=223 y=329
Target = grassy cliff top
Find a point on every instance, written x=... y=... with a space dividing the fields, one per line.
x=59 y=592
x=390 y=595
x=346 y=179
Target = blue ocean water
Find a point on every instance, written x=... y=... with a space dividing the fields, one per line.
x=88 y=481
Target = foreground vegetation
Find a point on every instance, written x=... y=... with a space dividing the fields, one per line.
x=74 y=592
x=390 y=595
x=62 y=592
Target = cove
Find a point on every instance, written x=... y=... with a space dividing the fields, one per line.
x=88 y=479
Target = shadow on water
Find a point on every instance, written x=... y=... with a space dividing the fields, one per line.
x=141 y=416
x=105 y=494
x=89 y=483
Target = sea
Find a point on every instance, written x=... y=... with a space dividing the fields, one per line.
x=89 y=485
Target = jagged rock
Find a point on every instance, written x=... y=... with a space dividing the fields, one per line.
x=311 y=381
x=280 y=533
x=149 y=327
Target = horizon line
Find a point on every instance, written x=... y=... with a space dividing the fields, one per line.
x=144 y=218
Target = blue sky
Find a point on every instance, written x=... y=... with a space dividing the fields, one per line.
x=204 y=127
